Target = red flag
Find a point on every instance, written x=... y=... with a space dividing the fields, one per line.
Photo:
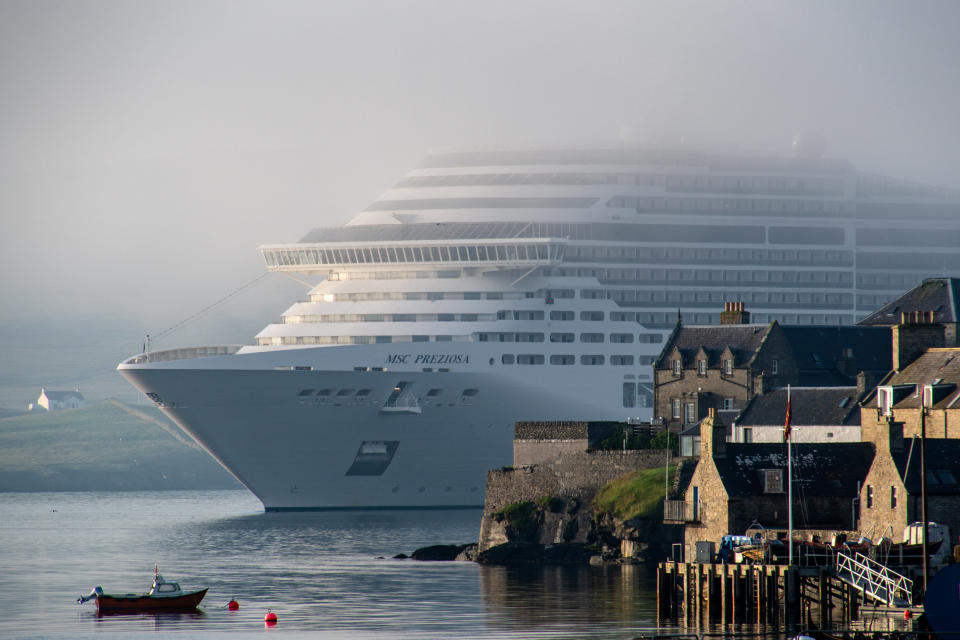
x=786 y=424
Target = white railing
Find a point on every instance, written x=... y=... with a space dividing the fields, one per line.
x=874 y=579
x=184 y=353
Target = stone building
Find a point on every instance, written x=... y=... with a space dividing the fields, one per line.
x=723 y=367
x=736 y=484
x=924 y=383
x=891 y=495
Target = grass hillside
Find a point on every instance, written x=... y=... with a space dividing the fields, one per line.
x=635 y=495
x=106 y=446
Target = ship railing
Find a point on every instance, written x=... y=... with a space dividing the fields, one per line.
x=184 y=353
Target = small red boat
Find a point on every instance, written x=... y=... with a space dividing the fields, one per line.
x=163 y=596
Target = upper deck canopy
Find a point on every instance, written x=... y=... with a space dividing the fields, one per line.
x=517 y=252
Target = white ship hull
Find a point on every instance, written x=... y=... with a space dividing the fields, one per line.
x=302 y=452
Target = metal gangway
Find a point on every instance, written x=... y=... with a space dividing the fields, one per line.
x=874 y=579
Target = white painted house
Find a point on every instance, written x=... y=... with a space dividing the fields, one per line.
x=53 y=400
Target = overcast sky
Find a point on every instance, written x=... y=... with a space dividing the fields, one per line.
x=147 y=148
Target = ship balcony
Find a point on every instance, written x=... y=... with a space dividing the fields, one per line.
x=681 y=511
x=402 y=405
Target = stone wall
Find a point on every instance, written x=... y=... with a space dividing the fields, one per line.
x=528 y=452
x=575 y=477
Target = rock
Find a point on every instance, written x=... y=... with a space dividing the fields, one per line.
x=469 y=554
x=512 y=553
x=439 y=552
x=528 y=553
x=401 y=556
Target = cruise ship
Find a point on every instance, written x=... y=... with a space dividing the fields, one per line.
x=494 y=286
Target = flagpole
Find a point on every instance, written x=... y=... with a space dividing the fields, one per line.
x=789 y=482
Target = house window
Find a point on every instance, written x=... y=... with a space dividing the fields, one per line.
x=677 y=367
x=728 y=367
x=701 y=367
x=728 y=404
x=675 y=404
x=869 y=497
x=774 y=366
x=893 y=497
x=772 y=480
x=748 y=435
x=690 y=414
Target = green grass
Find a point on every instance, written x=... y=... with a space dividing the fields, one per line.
x=105 y=446
x=102 y=435
x=634 y=495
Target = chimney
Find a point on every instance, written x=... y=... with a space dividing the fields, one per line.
x=915 y=333
x=734 y=313
x=889 y=437
x=713 y=436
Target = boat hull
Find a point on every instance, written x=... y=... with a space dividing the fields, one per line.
x=147 y=603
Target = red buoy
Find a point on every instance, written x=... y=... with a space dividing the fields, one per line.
x=233 y=605
x=270 y=618
x=907 y=614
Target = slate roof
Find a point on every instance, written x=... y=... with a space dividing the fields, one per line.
x=743 y=339
x=820 y=469
x=942 y=464
x=810 y=406
x=940 y=295
x=941 y=364
x=818 y=350
x=60 y=396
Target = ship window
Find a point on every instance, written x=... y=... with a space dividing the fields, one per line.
x=561 y=337
x=621 y=338
x=306 y=392
x=434 y=392
x=421 y=338
x=591 y=359
x=324 y=392
x=621 y=360
x=344 y=392
x=629 y=394
x=529 y=358
x=364 y=392
x=565 y=359
x=381 y=339
x=507 y=358
x=470 y=392
x=561 y=315
x=591 y=337
x=591 y=316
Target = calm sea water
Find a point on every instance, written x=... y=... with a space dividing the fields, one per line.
x=327 y=575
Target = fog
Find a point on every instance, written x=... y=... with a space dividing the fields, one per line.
x=147 y=148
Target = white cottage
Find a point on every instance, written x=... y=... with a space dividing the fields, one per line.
x=53 y=400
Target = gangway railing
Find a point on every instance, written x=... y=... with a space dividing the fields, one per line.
x=874 y=579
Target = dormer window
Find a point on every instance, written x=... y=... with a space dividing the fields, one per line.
x=774 y=366
x=677 y=367
x=727 y=367
x=701 y=367
x=884 y=400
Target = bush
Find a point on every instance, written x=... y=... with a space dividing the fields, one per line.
x=633 y=495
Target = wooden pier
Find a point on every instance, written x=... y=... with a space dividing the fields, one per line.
x=698 y=595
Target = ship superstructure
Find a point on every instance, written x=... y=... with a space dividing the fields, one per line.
x=489 y=287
